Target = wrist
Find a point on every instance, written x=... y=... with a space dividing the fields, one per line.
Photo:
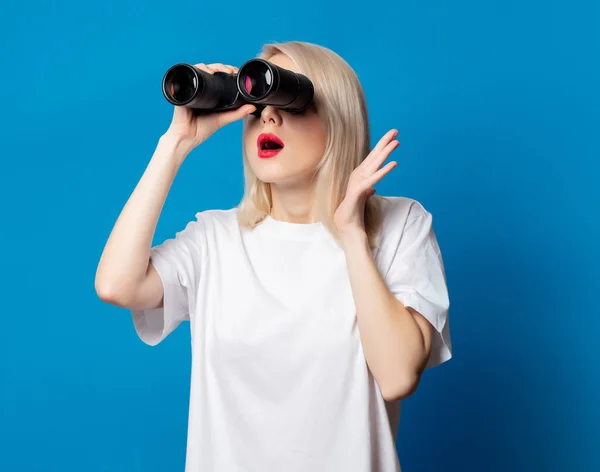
x=353 y=239
x=174 y=146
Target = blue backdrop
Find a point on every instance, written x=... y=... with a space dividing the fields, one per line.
x=497 y=104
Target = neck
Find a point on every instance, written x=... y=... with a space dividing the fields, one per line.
x=294 y=204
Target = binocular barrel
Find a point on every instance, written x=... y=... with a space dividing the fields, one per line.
x=258 y=82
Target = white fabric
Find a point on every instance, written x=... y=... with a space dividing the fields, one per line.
x=279 y=380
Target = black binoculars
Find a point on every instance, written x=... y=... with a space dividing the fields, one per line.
x=258 y=82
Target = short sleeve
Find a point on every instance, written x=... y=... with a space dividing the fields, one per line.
x=417 y=278
x=178 y=261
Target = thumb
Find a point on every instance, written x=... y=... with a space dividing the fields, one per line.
x=234 y=115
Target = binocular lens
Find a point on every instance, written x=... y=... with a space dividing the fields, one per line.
x=257 y=79
x=181 y=84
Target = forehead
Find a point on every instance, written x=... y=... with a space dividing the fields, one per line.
x=283 y=61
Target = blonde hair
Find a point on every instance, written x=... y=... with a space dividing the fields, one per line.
x=340 y=102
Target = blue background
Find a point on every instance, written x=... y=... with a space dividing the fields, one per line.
x=497 y=104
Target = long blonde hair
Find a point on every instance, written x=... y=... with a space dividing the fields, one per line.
x=340 y=102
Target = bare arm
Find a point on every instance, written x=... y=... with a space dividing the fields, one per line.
x=396 y=339
x=125 y=276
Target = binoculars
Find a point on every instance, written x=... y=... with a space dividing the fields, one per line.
x=258 y=82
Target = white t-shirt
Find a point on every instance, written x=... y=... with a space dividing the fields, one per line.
x=279 y=380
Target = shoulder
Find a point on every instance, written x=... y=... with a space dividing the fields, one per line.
x=218 y=224
x=407 y=230
x=215 y=218
x=399 y=212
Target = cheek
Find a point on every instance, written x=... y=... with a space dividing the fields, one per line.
x=317 y=141
x=311 y=132
x=318 y=131
x=249 y=141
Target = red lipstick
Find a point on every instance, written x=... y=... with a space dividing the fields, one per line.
x=268 y=145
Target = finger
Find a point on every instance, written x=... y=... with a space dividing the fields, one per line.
x=227 y=117
x=204 y=68
x=375 y=160
x=385 y=139
x=218 y=67
x=379 y=147
x=377 y=176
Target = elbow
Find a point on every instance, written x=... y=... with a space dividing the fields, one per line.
x=111 y=294
x=102 y=290
x=106 y=294
x=403 y=386
x=103 y=287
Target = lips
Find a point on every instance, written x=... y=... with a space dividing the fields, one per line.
x=268 y=145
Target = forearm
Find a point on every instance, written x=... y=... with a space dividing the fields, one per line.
x=125 y=258
x=392 y=341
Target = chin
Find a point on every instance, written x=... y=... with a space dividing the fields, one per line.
x=276 y=170
x=284 y=178
x=273 y=177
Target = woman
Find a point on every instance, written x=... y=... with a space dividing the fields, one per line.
x=314 y=306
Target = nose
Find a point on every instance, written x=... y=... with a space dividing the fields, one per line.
x=271 y=114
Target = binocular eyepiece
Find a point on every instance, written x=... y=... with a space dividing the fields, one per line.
x=258 y=82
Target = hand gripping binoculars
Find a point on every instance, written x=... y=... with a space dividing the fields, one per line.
x=258 y=82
